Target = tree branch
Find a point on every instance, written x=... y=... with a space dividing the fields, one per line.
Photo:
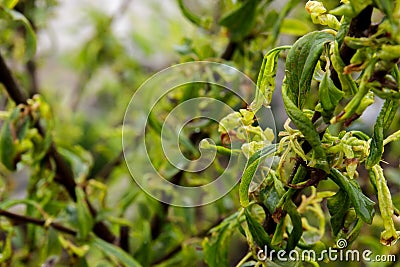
x=100 y=228
x=124 y=238
x=106 y=171
x=10 y=84
x=359 y=27
x=31 y=69
x=229 y=50
x=20 y=219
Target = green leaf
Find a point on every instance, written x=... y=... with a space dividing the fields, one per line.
x=251 y=168
x=53 y=246
x=114 y=251
x=216 y=247
x=8 y=148
x=266 y=79
x=80 y=160
x=329 y=95
x=301 y=62
x=13 y=15
x=297 y=230
x=382 y=124
x=362 y=204
x=85 y=219
x=257 y=231
x=240 y=21
x=271 y=195
x=338 y=205
x=199 y=21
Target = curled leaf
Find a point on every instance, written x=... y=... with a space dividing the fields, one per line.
x=266 y=79
x=383 y=122
x=389 y=236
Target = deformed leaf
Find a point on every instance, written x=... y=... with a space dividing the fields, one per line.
x=389 y=236
x=383 y=122
x=362 y=204
x=266 y=79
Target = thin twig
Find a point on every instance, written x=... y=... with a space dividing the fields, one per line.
x=31 y=69
x=20 y=219
x=106 y=171
x=229 y=50
x=124 y=237
x=10 y=84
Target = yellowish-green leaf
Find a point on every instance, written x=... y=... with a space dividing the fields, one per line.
x=296 y=27
x=9 y=3
x=115 y=252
